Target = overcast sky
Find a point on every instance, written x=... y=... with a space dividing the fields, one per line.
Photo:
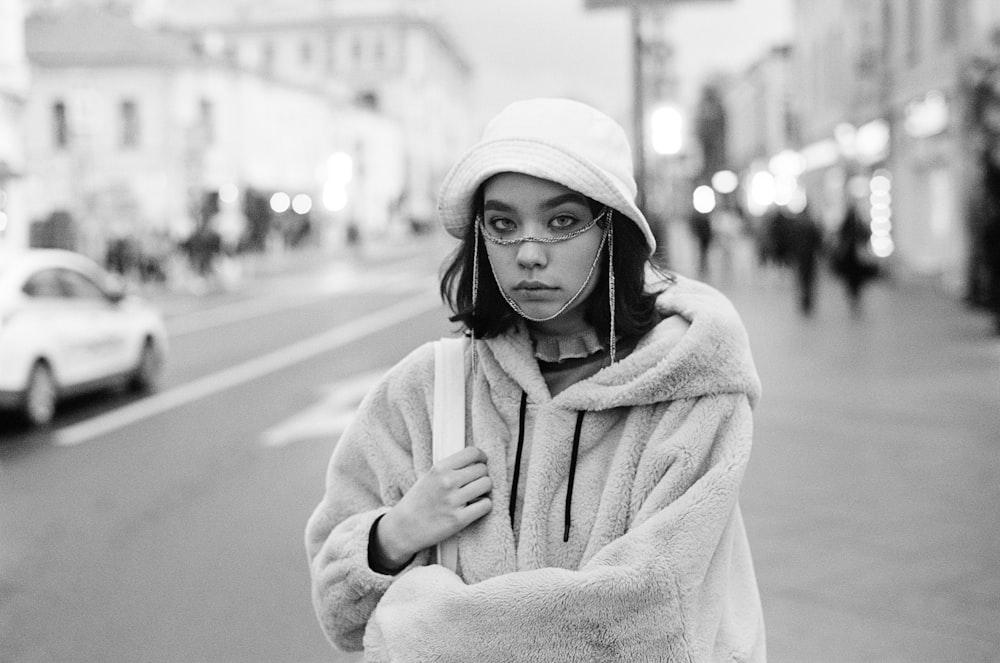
x=525 y=48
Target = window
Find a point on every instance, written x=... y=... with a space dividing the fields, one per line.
x=267 y=56
x=43 y=284
x=331 y=53
x=915 y=32
x=951 y=18
x=129 y=115
x=379 y=49
x=60 y=127
x=206 y=121
x=77 y=286
x=357 y=50
x=887 y=35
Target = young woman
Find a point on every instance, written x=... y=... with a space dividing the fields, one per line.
x=609 y=425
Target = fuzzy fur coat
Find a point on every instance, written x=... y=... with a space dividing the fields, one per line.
x=657 y=566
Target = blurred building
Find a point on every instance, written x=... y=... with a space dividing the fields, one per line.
x=883 y=82
x=761 y=125
x=13 y=92
x=131 y=131
x=392 y=55
x=870 y=104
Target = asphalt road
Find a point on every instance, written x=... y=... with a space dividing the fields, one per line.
x=170 y=529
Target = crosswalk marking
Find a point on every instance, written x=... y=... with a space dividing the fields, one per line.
x=326 y=419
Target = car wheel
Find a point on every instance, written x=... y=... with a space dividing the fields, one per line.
x=40 y=395
x=147 y=372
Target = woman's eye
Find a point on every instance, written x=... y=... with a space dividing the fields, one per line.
x=563 y=222
x=500 y=225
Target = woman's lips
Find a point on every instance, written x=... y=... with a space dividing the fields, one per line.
x=533 y=286
x=534 y=290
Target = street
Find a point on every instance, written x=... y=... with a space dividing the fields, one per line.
x=872 y=489
x=170 y=528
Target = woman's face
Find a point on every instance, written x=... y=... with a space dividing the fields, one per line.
x=541 y=277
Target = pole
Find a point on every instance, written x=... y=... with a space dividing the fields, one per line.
x=638 y=107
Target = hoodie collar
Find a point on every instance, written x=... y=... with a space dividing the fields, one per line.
x=700 y=348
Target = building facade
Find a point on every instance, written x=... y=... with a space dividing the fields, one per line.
x=391 y=56
x=130 y=131
x=14 y=80
x=882 y=83
x=761 y=127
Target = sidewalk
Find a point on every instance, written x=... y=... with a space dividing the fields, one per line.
x=872 y=494
x=245 y=275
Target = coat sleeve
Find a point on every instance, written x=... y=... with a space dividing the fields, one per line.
x=369 y=471
x=675 y=586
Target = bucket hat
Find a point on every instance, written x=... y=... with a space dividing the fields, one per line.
x=560 y=140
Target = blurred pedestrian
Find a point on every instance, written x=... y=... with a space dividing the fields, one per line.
x=991 y=237
x=727 y=226
x=806 y=245
x=774 y=243
x=609 y=410
x=851 y=259
x=701 y=228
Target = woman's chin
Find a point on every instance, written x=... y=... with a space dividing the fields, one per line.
x=539 y=310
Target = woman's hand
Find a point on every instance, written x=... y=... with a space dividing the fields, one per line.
x=446 y=500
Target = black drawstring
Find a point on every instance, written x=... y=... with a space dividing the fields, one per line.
x=517 y=459
x=572 y=473
x=572 y=465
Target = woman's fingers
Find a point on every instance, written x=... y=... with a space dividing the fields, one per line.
x=474 y=490
x=460 y=459
x=468 y=474
x=473 y=511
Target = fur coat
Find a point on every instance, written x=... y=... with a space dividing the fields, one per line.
x=657 y=565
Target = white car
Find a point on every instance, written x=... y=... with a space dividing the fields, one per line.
x=67 y=326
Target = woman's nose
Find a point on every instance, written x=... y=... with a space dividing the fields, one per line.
x=531 y=254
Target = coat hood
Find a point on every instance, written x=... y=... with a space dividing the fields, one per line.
x=700 y=348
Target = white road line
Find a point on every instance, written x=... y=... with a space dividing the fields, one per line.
x=268 y=304
x=245 y=372
x=236 y=312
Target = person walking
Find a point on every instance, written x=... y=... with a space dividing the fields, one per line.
x=609 y=424
x=852 y=261
x=806 y=244
x=701 y=227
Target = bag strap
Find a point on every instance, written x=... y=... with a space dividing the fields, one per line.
x=449 y=419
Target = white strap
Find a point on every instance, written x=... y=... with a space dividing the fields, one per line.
x=449 y=418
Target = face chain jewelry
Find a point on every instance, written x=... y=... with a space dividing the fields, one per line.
x=480 y=223
x=611 y=289
x=606 y=237
x=517 y=309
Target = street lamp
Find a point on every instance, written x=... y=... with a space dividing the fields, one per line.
x=638 y=85
x=667 y=130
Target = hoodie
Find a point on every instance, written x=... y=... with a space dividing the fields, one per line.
x=628 y=544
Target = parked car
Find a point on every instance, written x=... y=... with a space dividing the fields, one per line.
x=67 y=326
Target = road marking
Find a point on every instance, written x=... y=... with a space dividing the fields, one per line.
x=236 y=312
x=328 y=418
x=327 y=285
x=245 y=372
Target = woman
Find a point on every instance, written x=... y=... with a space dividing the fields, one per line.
x=609 y=426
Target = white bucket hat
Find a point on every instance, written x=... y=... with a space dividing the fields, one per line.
x=559 y=140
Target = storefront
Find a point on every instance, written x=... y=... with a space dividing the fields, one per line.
x=928 y=212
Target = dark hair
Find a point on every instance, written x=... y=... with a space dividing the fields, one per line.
x=635 y=306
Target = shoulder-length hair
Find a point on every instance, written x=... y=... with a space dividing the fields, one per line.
x=635 y=305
